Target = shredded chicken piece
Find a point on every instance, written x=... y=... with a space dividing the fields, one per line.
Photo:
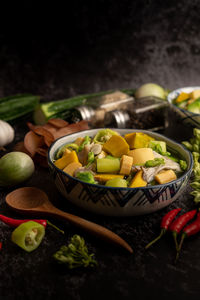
x=149 y=173
x=83 y=154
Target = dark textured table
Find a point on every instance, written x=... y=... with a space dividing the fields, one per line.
x=58 y=53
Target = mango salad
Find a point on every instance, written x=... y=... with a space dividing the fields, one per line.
x=189 y=101
x=133 y=160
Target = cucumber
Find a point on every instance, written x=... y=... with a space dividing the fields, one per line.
x=107 y=165
x=116 y=182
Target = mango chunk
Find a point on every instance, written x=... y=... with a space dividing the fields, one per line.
x=138 y=180
x=67 y=151
x=129 y=137
x=106 y=177
x=126 y=164
x=79 y=141
x=182 y=97
x=116 y=146
x=165 y=176
x=66 y=159
x=72 y=167
x=140 y=156
x=195 y=94
x=138 y=140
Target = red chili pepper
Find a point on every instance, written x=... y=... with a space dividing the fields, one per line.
x=15 y=223
x=165 y=223
x=177 y=225
x=1 y=245
x=189 y=230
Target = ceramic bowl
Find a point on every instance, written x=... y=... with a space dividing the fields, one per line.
x=186 y=116
x=112 y=201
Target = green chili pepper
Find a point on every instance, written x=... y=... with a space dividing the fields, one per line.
x=86 y=141
x=154 y=162
x=61 y=151
x=86 y=177
x=157 y=148
x=28 y=235
x=103 y=135
x=90 y=158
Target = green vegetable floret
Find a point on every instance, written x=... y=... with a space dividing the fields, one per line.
x=75 y=254
x=183 y=164
x=196 y=167
x=193 y=145
x=86 y=176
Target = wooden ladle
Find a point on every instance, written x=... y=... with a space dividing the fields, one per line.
x=34 y=200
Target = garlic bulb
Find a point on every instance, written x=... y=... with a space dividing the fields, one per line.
x=7 y=133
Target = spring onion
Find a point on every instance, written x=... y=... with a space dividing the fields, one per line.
x=14 y=107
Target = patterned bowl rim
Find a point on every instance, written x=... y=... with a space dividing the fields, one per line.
x=188 y=172
x=170 y=98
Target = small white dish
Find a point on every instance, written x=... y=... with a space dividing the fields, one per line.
x=186 y=116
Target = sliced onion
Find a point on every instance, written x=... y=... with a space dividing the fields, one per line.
x=150 y=89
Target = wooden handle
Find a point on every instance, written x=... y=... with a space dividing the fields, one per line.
x=93 y=228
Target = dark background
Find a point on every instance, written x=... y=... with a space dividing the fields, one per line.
x=56 y=51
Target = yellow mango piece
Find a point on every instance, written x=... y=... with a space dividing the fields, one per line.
x=106 y=177
x=129 y=137
x=138 y=140
x=126 y=164
x=67 y=151
x=116 y=146
x=195 y=94
x=79 y=141
x=103 y=154
x=165 y=176
x=72 y=167
x=140 y=156
x=66 y=159
x=138 y=180
x=182 y=97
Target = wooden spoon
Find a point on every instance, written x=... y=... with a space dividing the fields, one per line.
x=34 y=200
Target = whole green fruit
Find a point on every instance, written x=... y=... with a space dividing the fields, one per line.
x=15 y=167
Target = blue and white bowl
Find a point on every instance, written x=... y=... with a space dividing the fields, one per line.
x=186 y=116
x=113 y=201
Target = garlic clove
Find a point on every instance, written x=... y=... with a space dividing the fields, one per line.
x=7 y=133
